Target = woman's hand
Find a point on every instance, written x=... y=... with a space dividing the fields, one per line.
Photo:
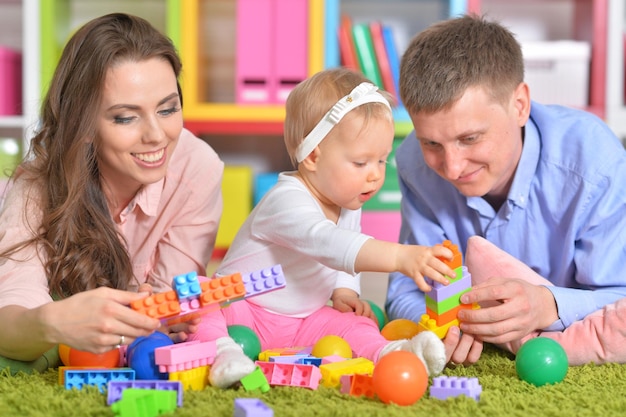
x=96 y=321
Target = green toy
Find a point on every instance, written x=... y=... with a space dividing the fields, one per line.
x=541 y=361
x=247 y=339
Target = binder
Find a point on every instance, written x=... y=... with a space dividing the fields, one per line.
x=253 y=83
x=346 y=44
x=382 y=58
x=290 y=63
x=365 y=53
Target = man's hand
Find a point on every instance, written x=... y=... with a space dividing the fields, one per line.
x=510 y=309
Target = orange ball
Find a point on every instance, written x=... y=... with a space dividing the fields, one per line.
x=332 y=345
x=75 y=357
x=400 y=377
x=400 y=329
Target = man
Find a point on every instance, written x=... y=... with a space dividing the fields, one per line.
x=547 y=184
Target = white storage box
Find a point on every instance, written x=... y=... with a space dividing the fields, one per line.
x=558 y=71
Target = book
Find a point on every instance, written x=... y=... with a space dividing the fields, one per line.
x=347 y=50
x=365 y=53
x=382 y=58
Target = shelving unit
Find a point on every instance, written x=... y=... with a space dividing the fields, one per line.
x=204 y=31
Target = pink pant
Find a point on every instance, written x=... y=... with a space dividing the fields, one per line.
x=278 y=331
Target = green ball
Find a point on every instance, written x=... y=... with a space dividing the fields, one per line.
x=379 y=313
x=541 y=361
x=247 y=339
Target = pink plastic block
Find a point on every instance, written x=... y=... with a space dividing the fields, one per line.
x=252 y=407
x=254 y=52
x=264 y=280
x=332 y=359
x=183 y=356
x=291 y=39
x=294 y=375
x=444 y=387
x=10 y=82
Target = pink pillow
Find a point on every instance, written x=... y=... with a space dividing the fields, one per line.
x=485 y=260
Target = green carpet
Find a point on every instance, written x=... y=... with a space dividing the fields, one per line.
x=588 y=390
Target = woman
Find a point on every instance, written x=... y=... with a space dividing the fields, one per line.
x=114 y=197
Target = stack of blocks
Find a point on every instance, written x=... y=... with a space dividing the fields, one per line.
x=443 y=302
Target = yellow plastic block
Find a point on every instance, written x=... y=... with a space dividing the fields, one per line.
x=195 y=379
x=332 y=372
x=427 y=323
x=237 y=192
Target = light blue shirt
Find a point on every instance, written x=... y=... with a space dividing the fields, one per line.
x=565 y=216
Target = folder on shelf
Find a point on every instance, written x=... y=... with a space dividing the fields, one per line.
x=290 y=61
x=393 y=57
x=382 y=58
x=365 y=53
x=254 y=51
x=346 y=44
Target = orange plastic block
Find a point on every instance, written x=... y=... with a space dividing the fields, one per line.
x=449 y=315
x=358 y=385
x=222 y=290
x=159 y=305
x=457 y=257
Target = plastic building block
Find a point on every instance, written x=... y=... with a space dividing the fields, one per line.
x=62 y=369
x=444 y=387
x=266 y=354
x=251 y=407
x=442 y=292
x=195 y=379
x=357 y=385
x=187 y=286
x=173 y=307
x=294 y=375
x=263 y=281
x=255 y=380
x=144 y=403
x=222 y=290
x=183 y=356
x=428 y=323
x=116 y=388
x=310 y=360
x=159 y=305
x=77 y=378
x=449 y=315
x=332 y=372
x=457 y=257
x=297 y=358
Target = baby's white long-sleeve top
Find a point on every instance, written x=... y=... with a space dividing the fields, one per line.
x=288 y=227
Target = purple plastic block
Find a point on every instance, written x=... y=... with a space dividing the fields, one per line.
x=252 y=407
x=444 y=387
x=183 y=356
x=187 y=285
x=442 y=292
x=263 y=281
x=287 y=358
x=77 y=378
x=115 y=389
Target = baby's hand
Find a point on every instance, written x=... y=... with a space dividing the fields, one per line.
x=347 y=301
x=418 y=261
